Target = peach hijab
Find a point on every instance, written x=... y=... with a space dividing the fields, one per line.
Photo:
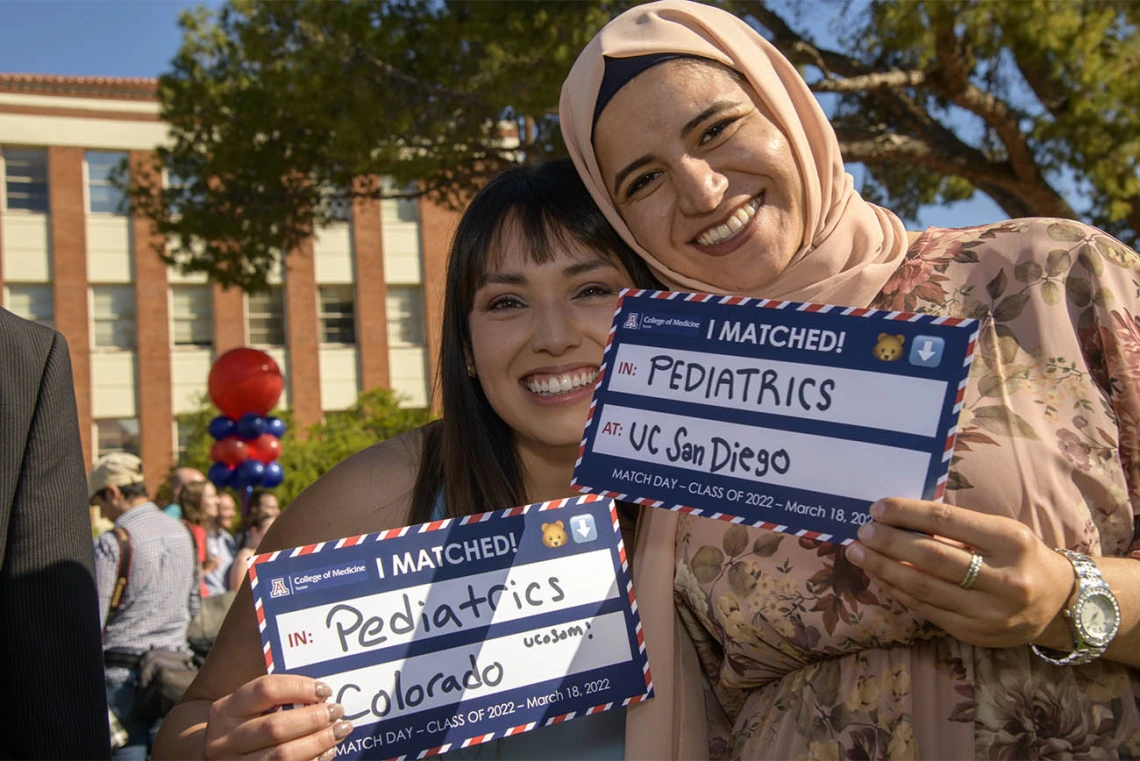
x=850 y=247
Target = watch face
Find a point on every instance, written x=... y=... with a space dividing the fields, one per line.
x=1098 y=618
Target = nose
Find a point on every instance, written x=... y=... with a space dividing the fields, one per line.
x=555 y=331
x=701 y=188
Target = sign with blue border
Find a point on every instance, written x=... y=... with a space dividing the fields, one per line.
x=787 y=416
x=453 y=633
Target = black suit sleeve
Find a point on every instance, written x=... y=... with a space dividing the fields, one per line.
x=53 y=700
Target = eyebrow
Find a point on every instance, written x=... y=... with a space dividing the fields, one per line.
x=582 y=268
x=571 y=270
x=715 y=108
x=689 y=126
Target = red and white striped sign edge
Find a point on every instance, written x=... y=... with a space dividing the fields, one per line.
x=423 y=528
x=352 y=541
x=704 y=298
x=480 y=739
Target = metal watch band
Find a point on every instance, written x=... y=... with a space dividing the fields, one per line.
x=1087 y=576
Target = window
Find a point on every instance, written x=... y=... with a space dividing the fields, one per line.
x=405 y=315
x=192 y=313
x=113 y=310
x=407 y=209
x=266 y=315
x=118 y=434
x=339 y=203
x=103 y=197
x=32 y=302
x=184 y=430
x=26 y=177
x=338 y=314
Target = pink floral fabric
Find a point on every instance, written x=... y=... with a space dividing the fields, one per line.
x=806 y=660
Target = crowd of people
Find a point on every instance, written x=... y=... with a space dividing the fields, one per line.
x=163 y=577
x=220 y=538
x=701 y=161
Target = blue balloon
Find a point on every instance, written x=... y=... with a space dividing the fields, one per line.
x=275 y=426
x=250 y=426
x=274 y=475
x=220 y=474
x=221 y=427
x=249 y=473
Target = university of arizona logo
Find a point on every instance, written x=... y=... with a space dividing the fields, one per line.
x=278 y=589
x=631 y=321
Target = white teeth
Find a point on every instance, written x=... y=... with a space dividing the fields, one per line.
x=561 y=384
x=721 y=233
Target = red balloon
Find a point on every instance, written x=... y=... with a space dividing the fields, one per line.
x=231 y=451
x=245 y=380
x=266 y=448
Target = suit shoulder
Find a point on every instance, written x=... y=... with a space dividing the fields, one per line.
x=23 y=336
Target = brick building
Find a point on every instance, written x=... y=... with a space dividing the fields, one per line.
x=356 y=307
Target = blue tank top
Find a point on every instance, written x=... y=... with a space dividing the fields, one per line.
x=600 y=737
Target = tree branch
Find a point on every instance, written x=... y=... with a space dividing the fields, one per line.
x=887 y=80
x=796 y=47
x=996 y=179
x=953 y=82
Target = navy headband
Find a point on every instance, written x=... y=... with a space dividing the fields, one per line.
x=618 y=73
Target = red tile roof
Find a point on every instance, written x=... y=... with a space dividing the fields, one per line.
x=129 y=88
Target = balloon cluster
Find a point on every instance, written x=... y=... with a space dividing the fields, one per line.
x=245 y=384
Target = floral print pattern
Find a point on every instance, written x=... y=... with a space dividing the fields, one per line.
x=808 y=660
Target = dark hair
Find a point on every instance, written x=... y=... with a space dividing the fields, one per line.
x=469 y=456
x=190 y=500
x=126 y=491
x=134 y=491
x=255 y=500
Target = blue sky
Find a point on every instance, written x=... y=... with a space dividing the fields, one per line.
x=112 y=38
x=137 y=38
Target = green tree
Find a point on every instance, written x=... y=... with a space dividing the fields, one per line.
x=1015 y=99
x=306 y=455
x=281 y=110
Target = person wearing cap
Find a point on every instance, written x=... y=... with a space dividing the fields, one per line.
x=161 y=592
x=50 y=665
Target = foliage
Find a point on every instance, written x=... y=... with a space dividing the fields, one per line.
x=283 y=112
x=307 y=454
x=1026 y=101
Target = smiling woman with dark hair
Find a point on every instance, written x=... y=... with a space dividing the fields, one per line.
x=533 y=278
x=948 y=630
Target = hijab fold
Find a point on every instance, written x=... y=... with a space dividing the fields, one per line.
x=850 y=247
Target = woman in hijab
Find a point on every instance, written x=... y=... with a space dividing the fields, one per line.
x=945 y=630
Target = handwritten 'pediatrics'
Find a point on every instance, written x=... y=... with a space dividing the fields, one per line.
x=766 y=387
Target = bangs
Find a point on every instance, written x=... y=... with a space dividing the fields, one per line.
x=547 y=209
x=544 y=209
x=541 y=237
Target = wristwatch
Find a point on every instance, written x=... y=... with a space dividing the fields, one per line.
x=1094 y=617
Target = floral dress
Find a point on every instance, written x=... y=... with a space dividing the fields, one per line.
x=805 y=659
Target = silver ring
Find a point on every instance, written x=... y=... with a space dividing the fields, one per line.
x=971 y=572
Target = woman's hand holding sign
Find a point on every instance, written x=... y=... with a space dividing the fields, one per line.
x=244 y=723
x=985 y=579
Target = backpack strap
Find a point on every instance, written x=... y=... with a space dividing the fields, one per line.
x=122 y=573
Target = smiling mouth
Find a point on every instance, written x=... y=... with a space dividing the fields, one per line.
x=730 y=229
x=555 y=385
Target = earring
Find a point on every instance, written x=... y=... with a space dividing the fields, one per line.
x=471 y=369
